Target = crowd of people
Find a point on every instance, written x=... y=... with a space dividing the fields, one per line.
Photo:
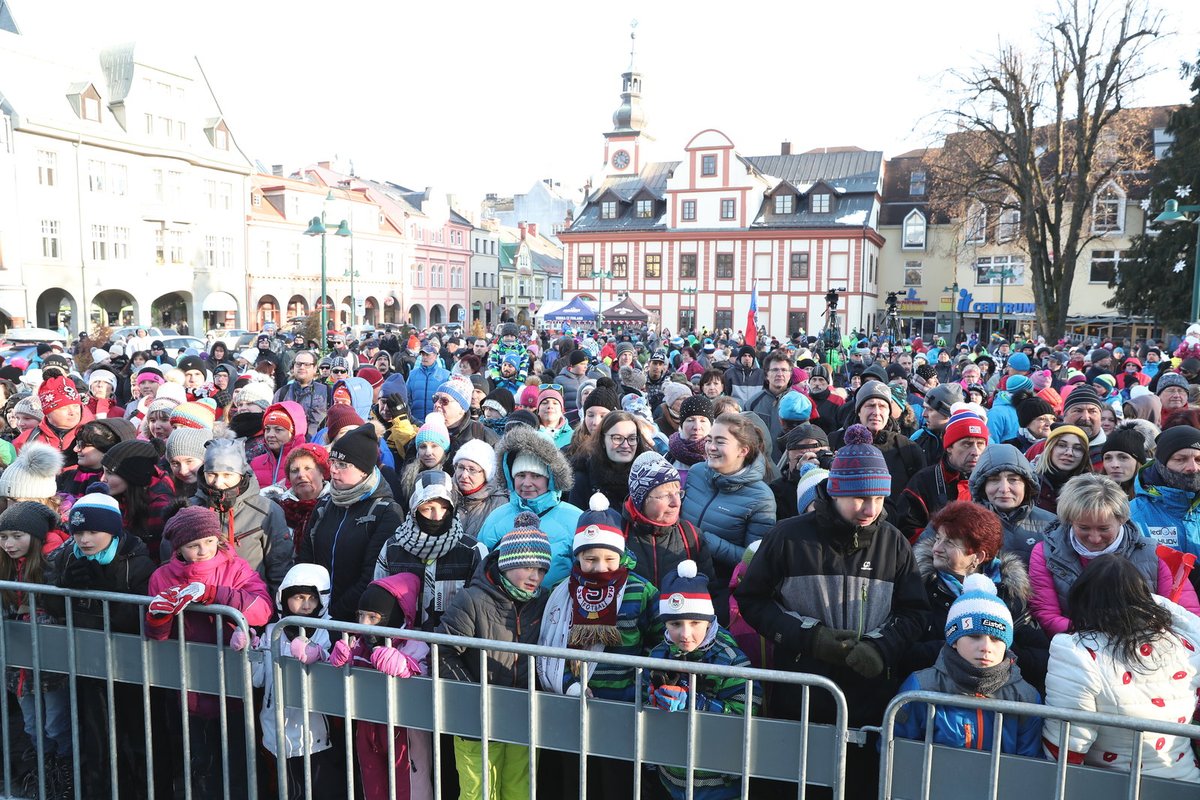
x=1004 y=520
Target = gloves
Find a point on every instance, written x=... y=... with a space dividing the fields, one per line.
x=81 y=573
x=165 y=603
x=391 y=661
x=340 y=655
x=305 y=651
x=865 y=659
x=196 y=592
x=832 y=645
x=671 y=698
x=395 y=406
x=239 y=640
x=170 y=602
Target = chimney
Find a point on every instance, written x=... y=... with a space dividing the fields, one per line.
x=532 y=228
x=323 y=164
x=277 y=170
x=521 y=227
x=785 y=149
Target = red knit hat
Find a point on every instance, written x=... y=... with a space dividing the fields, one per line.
x=315 y=452
x=341 y=416
x=57 y=392
x=964 y=425
x=371 y=376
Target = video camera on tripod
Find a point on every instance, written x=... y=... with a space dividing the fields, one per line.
x=893 y=304
x=831 y=337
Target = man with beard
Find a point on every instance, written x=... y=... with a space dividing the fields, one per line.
x=1082 y=409
x=1166 y=491
x=929 y=491
x=768 y=402
x=745 y=378
x=827 y=404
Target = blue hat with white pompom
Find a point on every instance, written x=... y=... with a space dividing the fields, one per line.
x=979 y=610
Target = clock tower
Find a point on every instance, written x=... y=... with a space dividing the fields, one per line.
x=622 y=145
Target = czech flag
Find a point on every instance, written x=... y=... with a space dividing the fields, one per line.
x=752 y=318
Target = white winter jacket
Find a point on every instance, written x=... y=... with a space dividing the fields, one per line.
x=1084 y=675
x=263 y=674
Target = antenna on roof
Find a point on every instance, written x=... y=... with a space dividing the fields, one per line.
x=632 y=42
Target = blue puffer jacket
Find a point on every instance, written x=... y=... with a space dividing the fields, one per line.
x=1002 y=420
x=731 y=511
x=422 y=383
x=1171 y=516
x=558 y=517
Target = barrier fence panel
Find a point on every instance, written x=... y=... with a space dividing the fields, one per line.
x=912 y=769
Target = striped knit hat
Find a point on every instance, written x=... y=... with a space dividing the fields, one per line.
x=979 y=610
x=685 y=594
x=524 y=546
x=434 y=430
x=964 y=425
x=858 y=469
x=196 y=414
x=95 y=512
x=599 y=526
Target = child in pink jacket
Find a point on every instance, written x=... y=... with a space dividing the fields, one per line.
x=391 y=603
x=202 y=569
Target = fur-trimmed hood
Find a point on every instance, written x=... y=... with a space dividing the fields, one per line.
x=522 y=438
x=1014 y=577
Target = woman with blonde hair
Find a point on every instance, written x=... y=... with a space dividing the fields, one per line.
x=1065 y=456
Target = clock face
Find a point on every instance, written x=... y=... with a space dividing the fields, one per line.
x=620 y=159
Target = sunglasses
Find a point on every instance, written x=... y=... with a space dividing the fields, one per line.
x=339 y=371
x=554 y=386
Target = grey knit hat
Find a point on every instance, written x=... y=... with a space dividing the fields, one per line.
x=226 y=455
x=188 y=442
x=30 y=407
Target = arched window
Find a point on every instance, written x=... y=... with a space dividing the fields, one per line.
x=976 y=224
x=1108 y=210
x=914 y=231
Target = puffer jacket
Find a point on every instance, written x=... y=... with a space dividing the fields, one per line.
x=599 y=474
x=742 y=383
x=558 y=518
x=968 y=728
x=1172 y=516
x=1002 y=419
x=1030 y=645
x=474 y=508
x=1084 y=673
x=818 y=569
x=483 y=610
x=904 y=460
x=257 y=527
x=422 y=382
x=658 y=549
x=269 y=467
x=730 y=511
x=1025 y=525
x=127 y=572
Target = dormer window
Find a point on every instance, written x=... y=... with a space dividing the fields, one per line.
x=819 y=203
x=916 y=183
x=91 y=108
x=218 y=134
x=784 y=203
x=914 y=231
x=645 y=209
x=1107 y=211
x=708 y=165
x=608 y=209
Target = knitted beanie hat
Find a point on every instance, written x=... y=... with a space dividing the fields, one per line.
x=188 y=442
x=190 y=363
x=979 y=610
x=479 y=452
x=550 y=392
x=685 y=594
x=341 y=416
x=1032 y=408
x=1041 y=379
x=359 y=448
x=527 y=462
x=133 y=461
x=314 y=451
x=254 y=393
x=103 y=375
x=964 y=425
x=1018 y=383
x=378 y=599
x=500 y=400
x=1061 y=430
x=190 y=524
x=874 y=390
x=942 y=397
x=172 y=392
x=57 y=392
x=695 y=406
x=27 y=516
x=795 y=407
x=29 y=407
x=432 y=484
x=811 y=476
x=33 y=473
x=458 y=388
x=605 y=397
x=1172 y=379
x=371 y=376
x=524 y=546
x=1169 y=442
x=649 y=471
x=858 y=469
x=95 y=512
x=1082 y=395
x=528 y=397
x=1129 y=441
x=632 y=379
x=103 y=434
x=226 y=455
x=434 y=430
x=1019 y=362
x=599 y=526
x=196 y=414
x=673 y=391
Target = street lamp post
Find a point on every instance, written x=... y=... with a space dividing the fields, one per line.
x=1003 y=275
x=955 y=314
x=601 y=276
x=1173 y=213
x=316 y=227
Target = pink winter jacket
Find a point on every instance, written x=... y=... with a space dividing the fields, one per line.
x=270 y=468
x=1043 y=600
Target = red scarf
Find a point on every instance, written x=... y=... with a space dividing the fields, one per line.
x=595 y=600
x=296 y=513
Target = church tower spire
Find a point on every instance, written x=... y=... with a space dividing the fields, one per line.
x=622 y=146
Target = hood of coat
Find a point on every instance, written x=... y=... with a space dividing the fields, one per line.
x=406 y=588
x=295 y=413
x=313 y=575
x=523 y=439
x=361 y=395
x=1013 y=574
x=998 y=458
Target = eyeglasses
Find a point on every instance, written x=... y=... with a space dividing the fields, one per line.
x=554 y=386
x=339 y=371
x=467 y=470
x=441 y=400
x=305 y=364
x=671 y=498
x=623 y=441
x=948 y=543
x=324 y=366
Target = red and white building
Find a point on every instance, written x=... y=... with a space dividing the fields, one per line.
x=690 y=238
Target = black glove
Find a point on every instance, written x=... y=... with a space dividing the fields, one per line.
x=223 y=398
x=832 y=645
x=81 y=573
x=866 y=660
x=395 y=405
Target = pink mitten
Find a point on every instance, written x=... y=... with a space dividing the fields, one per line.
x=305 y=651
x=165 y=603
x=340 y=655
x=239 y=640
x=391 y=661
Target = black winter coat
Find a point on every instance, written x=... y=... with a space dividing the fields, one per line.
x=128 y=573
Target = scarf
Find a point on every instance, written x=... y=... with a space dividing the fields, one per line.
x=1083 y=552
x=344 y=498
x=595 y=600
x=982 y=681
x=494 y=424
x=296 y=512
x=685 y=451
x=954 y=583
x=516 y=593
x=427 y=544
x=105 y=556
x=1157 y=474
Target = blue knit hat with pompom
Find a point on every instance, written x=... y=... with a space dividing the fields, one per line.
x=858 y=469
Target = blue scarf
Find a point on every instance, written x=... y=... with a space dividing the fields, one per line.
x=952 y=582
x=105 y=556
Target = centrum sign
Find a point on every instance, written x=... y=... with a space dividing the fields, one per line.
x=1009 y=308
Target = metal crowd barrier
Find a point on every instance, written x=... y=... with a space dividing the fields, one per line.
x=943 y=770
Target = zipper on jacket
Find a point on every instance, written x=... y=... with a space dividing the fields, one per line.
x=979 y=720
x=862 y=610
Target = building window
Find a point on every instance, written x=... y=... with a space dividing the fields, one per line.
x=91 y=108
x=797 y=321
x=976 y=225
x=50 y=238
x=688 y=211
x=914 y=231
x=210 y=192
x=991 y=271
x=608 y=209
x=586 y=265
x=456 y=277
x=799 y=267
x=784 y=203
x=645 y=209
x=916 y=183
x=160 y=246
x=728 y=208
x=819 y=203
x=226 y=251
x=687 y=265
x=620 y=266
x=97 y=171
x=225 y=196
x=156 y=176
x=1009 y=225
x=210 y=251
x=182 y=130
x=723 y=319
x=708 y=165
x=418 y=275
x=120 y=243
x=1106 y=266
x=912 y=273
x=100 y=242
x=687 y=319
x=149 y=124
x=1106 y=211
x=119 y=179
x=47 y=167
x=390 y=263
x=653 y=265
x=176 y=239
x=220 y=139
x=438 y=276
x=724 y=265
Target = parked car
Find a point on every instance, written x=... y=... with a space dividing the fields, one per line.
x=175 y=345
x=229 y=336
x=30 y=336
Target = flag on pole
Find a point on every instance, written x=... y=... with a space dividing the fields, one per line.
x=752 y=318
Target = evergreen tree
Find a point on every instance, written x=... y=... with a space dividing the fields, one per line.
x=1156 y=277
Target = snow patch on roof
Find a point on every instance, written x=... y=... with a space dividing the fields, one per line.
x=857 y=218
